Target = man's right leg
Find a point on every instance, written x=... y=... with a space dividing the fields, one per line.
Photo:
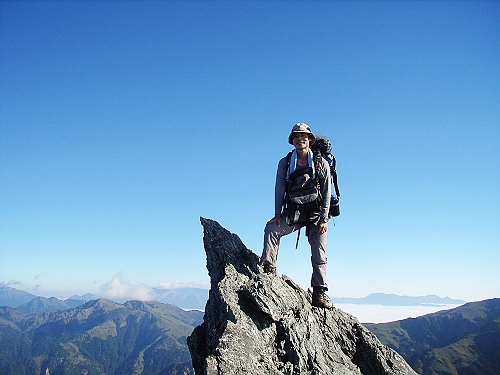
x=272 y=237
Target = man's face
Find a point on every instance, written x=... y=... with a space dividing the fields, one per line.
x=301 y=140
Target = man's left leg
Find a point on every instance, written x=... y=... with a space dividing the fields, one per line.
x=318 y=262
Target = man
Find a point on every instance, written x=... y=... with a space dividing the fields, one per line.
x=302 y=199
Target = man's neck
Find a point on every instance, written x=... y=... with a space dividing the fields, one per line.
x=302 y=154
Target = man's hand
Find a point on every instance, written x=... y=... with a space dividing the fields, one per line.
x=322 y=226
x=276 y=218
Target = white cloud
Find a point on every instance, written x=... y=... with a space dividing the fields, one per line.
x=118 y=289
x=178 y=285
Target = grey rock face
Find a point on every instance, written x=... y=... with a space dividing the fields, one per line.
x=257 y=323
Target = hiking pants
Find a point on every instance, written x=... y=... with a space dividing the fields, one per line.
x=272 y=237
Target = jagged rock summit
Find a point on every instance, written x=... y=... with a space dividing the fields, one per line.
x=258 y=323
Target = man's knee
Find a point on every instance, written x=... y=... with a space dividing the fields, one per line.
x=319 y=259
x=272 y=228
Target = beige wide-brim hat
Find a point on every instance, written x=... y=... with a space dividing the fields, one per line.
x=302 y=128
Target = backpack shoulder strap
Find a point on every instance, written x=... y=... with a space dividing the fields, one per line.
x=318 y=156
x=333 y=175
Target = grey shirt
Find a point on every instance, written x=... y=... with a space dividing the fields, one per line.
x=324 y=183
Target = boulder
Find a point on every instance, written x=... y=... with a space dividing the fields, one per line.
x=258 y=323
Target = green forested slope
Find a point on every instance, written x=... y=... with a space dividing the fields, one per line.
x=99 y=337
x=463 y=341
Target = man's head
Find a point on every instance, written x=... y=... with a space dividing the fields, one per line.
x=299 y=129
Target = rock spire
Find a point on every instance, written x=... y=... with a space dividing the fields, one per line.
x=257 y=323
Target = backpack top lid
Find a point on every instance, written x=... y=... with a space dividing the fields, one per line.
x=322 y=144
x=324 y=147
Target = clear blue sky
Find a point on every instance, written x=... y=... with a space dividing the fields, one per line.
x=124 y=122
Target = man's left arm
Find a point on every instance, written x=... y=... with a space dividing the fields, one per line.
x=325 y=185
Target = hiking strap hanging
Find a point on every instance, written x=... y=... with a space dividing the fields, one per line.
x=298 y=236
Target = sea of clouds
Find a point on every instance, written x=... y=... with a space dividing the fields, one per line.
x=384 y=314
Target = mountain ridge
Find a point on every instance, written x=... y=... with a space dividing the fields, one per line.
x=195 y=298
x=40 y=304
x=430 y=350
x=385 y=299
x=185 y=298
x=464 y=340
x=13 y=297
x=100 y=337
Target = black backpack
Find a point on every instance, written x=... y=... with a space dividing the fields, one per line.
x=323 y=148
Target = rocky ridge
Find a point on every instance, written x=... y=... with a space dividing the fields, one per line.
x=257 y=323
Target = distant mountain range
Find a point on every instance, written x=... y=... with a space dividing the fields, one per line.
x=13 y=297
x=98 y=337
x=185 y=298
x=195 y=298
x=463 y=341
x=102 y=336
x=42 y=304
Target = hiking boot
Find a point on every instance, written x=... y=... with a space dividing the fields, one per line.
x=270 y=269
x=320 y=299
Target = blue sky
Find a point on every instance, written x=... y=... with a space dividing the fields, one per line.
x=124 y=122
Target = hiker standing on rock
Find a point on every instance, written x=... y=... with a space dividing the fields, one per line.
x=302 y=199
